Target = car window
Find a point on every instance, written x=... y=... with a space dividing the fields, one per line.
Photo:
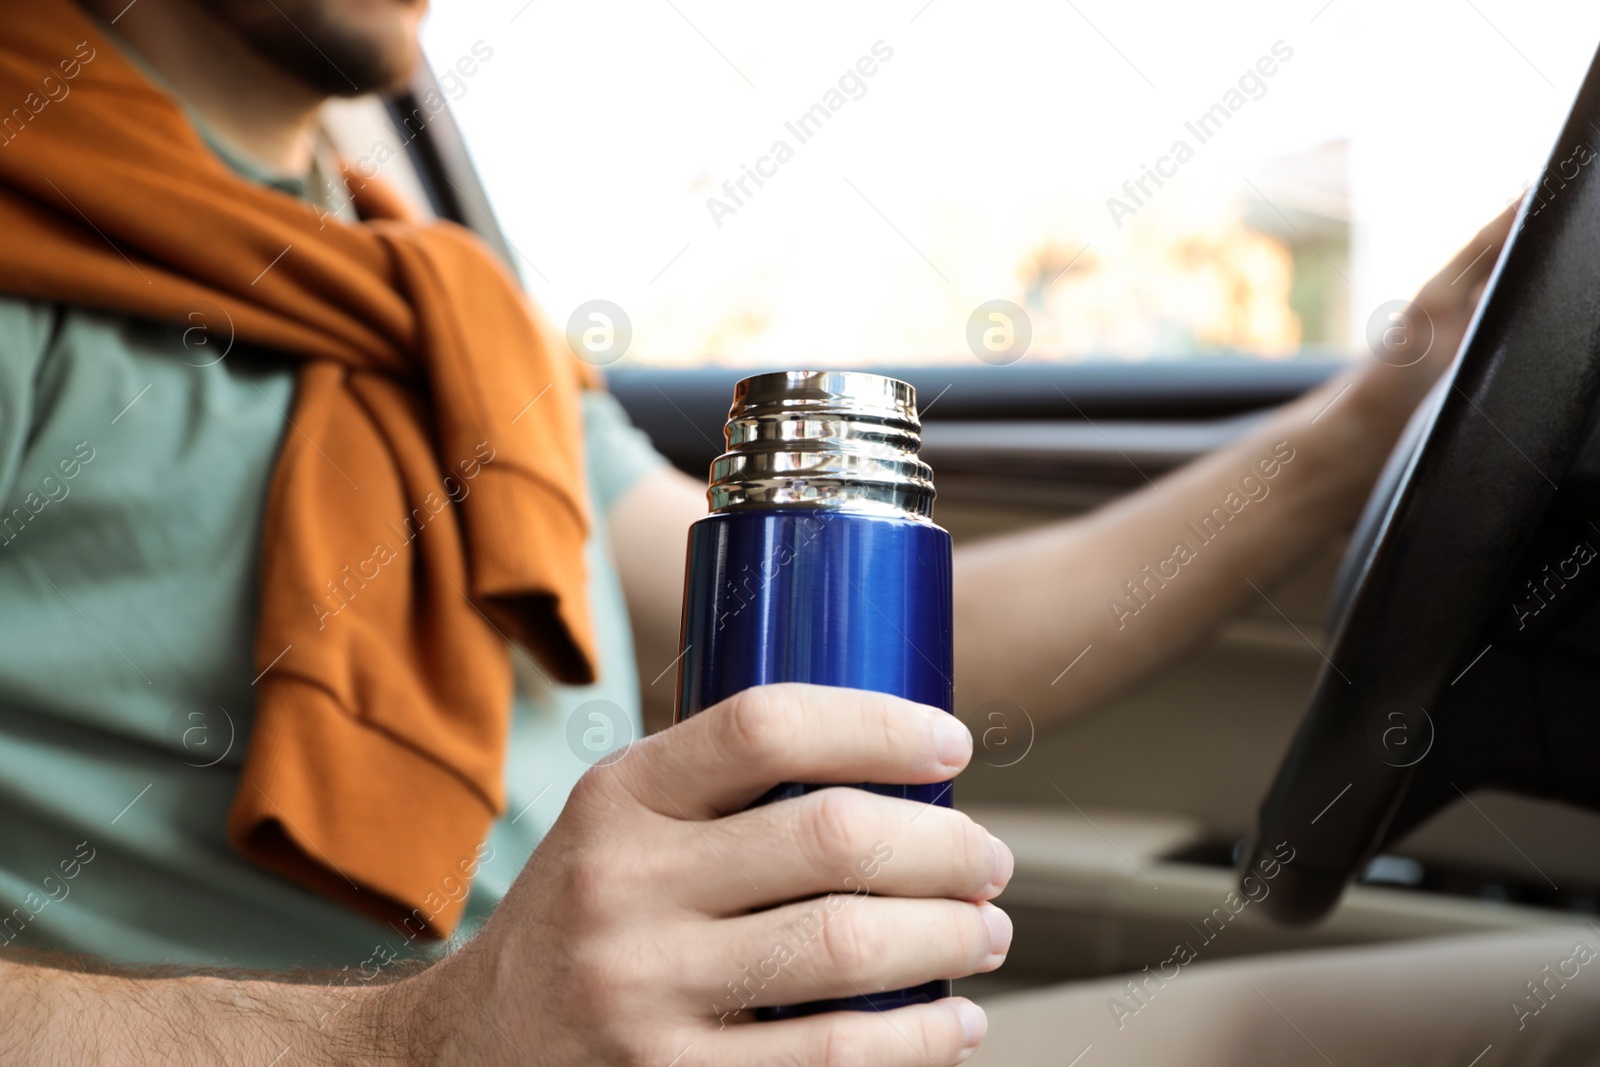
x=690 y=182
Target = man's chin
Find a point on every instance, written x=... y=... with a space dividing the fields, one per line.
x=337 y=47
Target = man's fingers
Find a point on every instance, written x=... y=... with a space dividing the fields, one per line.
x=1459 y=279
x=923 y=1035
x=728 y=755
x=842 y=840
x=843 y=946
x=1477 y=256
x=1498 y=228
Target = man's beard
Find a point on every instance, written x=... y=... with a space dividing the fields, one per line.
x=317 y=43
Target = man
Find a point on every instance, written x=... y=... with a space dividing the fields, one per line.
x=283 y=630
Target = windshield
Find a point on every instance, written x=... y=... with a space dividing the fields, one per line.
x=845 y=183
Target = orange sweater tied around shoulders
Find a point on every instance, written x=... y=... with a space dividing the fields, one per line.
x=427 y=505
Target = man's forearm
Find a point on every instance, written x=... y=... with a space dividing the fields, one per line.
x=58 y=1015
x=1135 y=581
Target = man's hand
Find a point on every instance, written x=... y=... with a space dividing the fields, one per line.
x=651 y=922
x=658 y=913
x=1438 y=315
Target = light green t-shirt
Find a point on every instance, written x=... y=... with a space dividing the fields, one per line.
x=133 y=475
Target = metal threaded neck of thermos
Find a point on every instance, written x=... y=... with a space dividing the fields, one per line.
x=845 y=440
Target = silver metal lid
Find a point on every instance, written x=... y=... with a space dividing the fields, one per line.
x=825 y=439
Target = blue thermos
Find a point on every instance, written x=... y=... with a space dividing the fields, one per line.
x=819 y=563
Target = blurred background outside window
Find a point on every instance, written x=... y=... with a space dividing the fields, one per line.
x=843 y=183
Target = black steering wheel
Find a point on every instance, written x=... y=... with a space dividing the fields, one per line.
x=1465 y=623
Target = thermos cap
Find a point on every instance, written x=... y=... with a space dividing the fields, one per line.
x=823 y=439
